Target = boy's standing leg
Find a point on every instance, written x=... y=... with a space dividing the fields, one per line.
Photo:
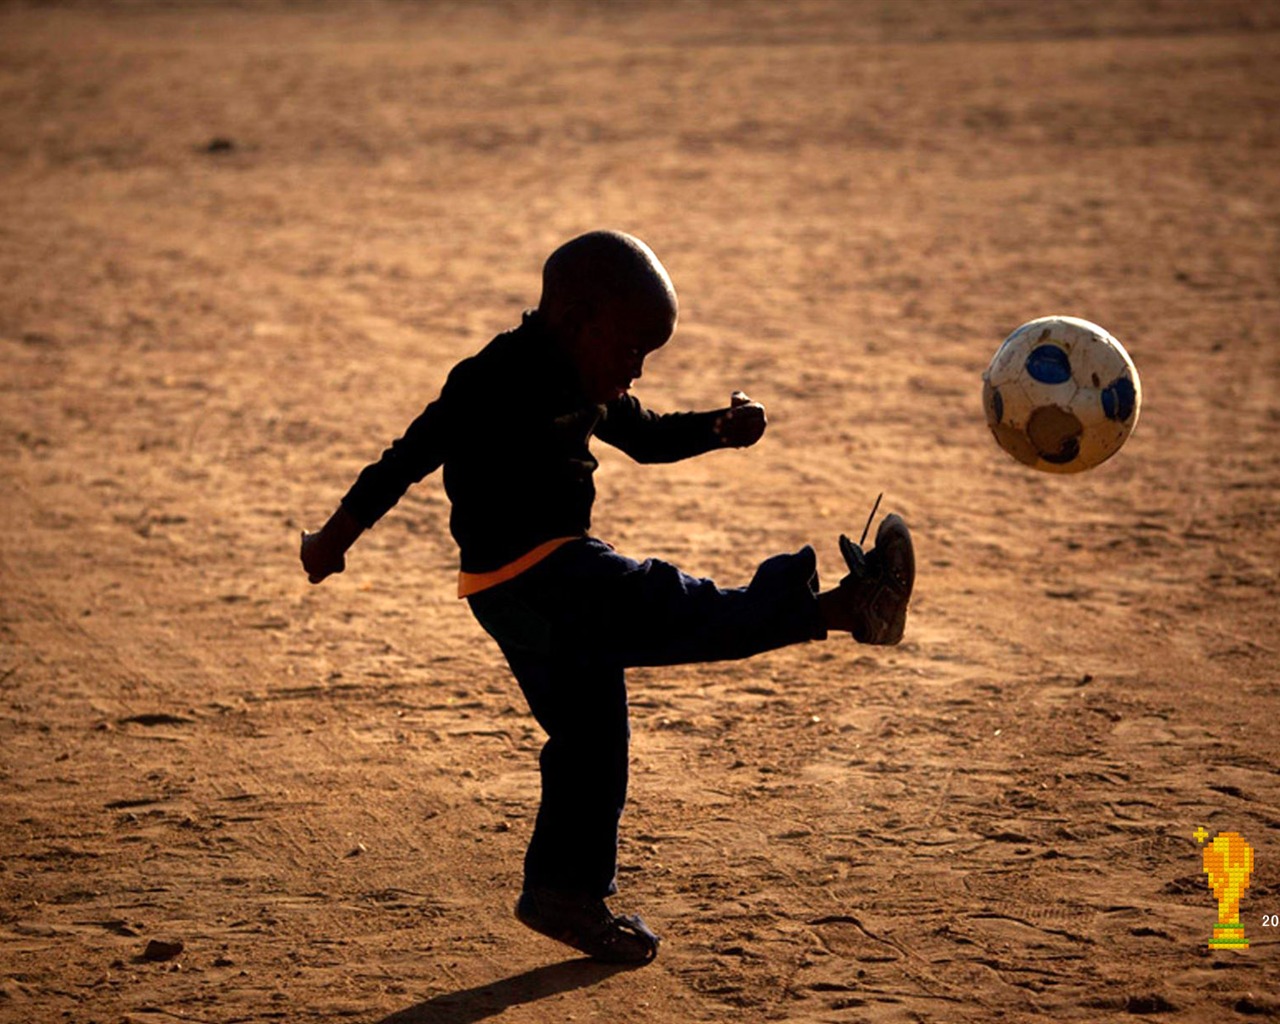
x=570 y=865
x=581 y=704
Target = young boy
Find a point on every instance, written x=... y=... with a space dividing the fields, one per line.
x=511 y=428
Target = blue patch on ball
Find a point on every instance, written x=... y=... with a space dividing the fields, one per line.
x=1118 y=399
x=1049 y=365
x=997 y=403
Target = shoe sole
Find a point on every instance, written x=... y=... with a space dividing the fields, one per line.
x=896 y=555
x=894 y=529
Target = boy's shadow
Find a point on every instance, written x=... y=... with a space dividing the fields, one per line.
x=475 y=1004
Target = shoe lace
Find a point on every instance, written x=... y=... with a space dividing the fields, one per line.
x=863 y=540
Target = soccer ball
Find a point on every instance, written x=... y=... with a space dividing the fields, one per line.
x=1061 y=394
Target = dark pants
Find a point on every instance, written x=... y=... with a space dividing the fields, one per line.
x=570 y=626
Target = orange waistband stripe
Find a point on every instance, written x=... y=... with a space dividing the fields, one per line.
x=473 y=582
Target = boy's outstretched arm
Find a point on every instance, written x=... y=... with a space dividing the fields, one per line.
x=649 y=437
x=381 y=484
x=324 y=552
x=742 y=424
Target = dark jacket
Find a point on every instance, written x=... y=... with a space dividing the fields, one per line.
x=512 y=430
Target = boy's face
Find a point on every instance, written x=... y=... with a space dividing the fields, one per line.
x=614 y=345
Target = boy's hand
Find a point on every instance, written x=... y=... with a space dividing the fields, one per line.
x=742 y=424
x=324 y=552
x=318 y=557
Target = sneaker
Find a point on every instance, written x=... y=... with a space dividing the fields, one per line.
x=588 y=926
x=879 y=584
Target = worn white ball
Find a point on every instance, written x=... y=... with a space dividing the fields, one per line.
x=1061 y=394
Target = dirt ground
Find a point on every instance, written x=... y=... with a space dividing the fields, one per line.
x=240 y=248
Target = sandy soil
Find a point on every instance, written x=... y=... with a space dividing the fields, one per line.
x=324 y=793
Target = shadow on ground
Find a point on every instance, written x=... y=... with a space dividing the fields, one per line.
x=489 y=1000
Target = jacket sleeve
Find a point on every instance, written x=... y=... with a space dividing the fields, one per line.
x=652 y=437
x=420 y=451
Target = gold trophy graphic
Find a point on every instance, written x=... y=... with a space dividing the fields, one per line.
x=1228 y=861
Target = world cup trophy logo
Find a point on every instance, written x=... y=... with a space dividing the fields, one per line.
x=1228 y=861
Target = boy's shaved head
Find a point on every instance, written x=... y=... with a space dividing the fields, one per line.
x=608 y=302
x=604 y=272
